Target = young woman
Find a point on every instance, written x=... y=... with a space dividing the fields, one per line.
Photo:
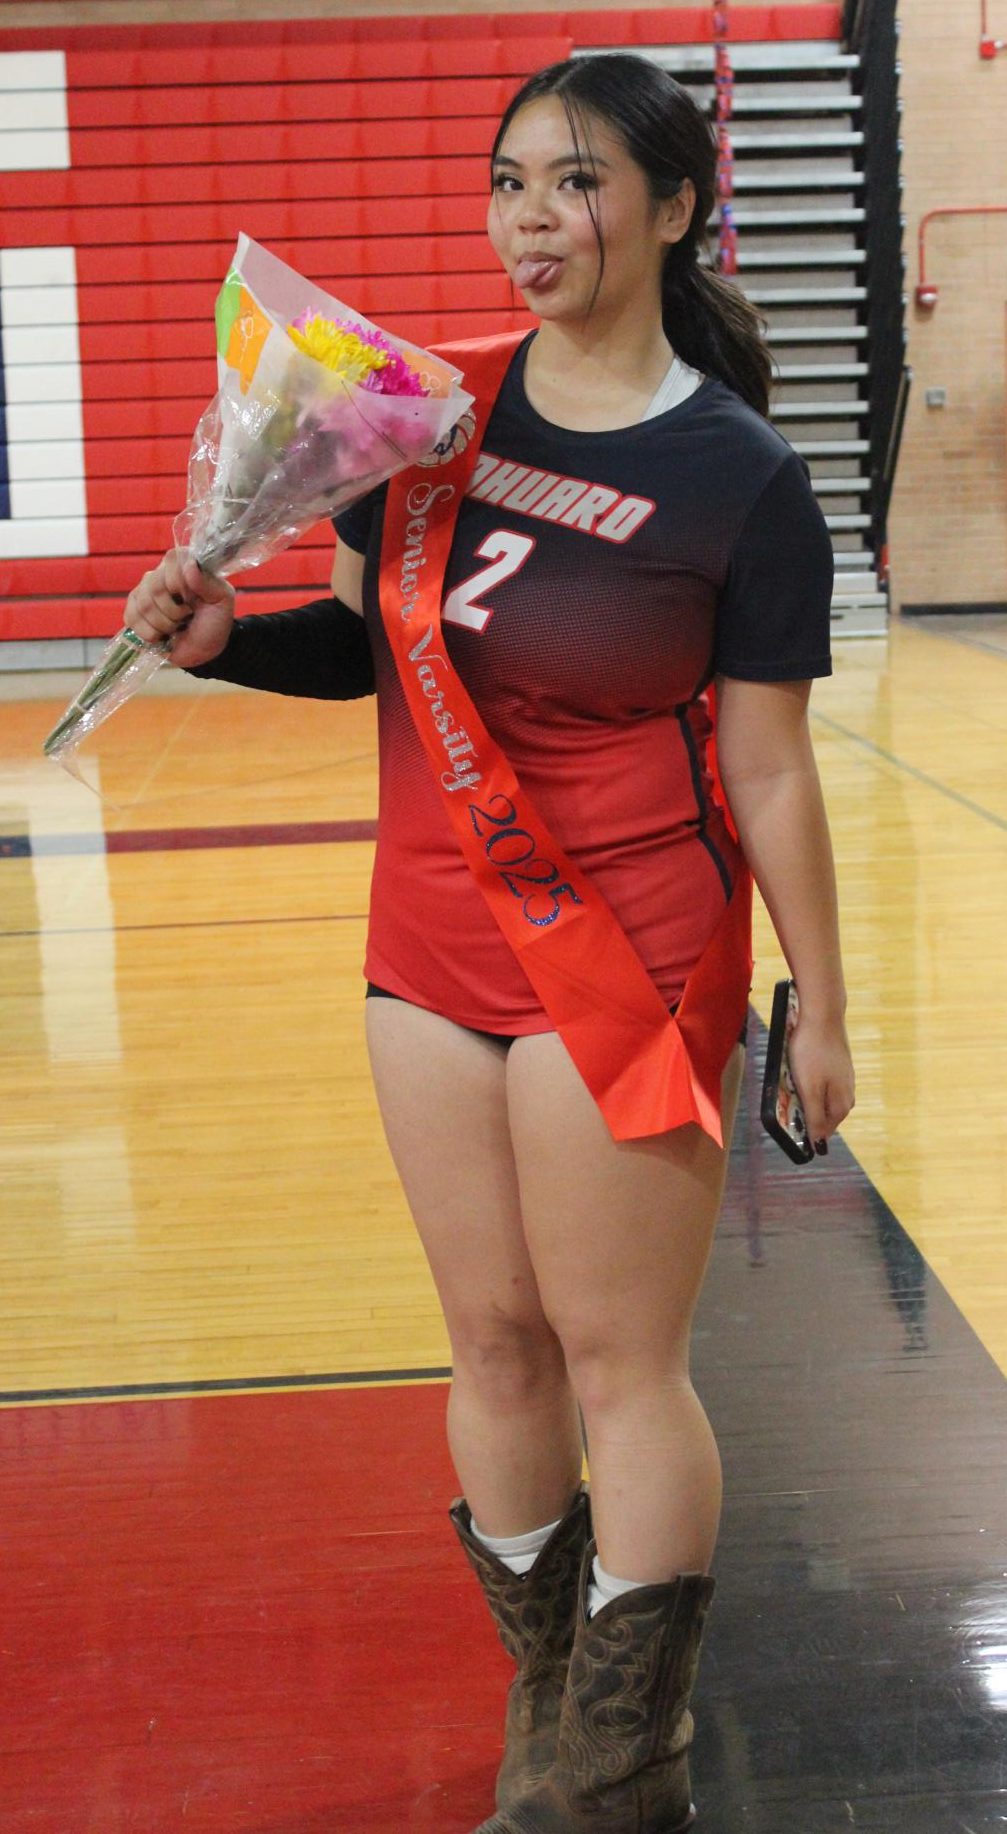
x=633 y=532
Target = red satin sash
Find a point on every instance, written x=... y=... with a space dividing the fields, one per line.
x=647 y=1071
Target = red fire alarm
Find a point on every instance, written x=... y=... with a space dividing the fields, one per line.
x=926 y=296
x=987 y=47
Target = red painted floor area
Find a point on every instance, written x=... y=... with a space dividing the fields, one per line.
x=213 y=1619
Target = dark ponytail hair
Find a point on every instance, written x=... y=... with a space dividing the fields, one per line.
x=707 y=320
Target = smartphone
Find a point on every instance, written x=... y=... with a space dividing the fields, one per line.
x=782 y=1114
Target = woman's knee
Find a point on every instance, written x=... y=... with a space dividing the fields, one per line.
x=609 y=1369
x=507 y=1357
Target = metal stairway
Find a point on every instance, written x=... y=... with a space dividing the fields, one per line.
x=799 y=212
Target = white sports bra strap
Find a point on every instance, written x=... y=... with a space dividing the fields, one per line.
x=679 y=383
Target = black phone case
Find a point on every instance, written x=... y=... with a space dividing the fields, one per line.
x=782 y=1115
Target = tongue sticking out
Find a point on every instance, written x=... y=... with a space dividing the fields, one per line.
x=532 y=272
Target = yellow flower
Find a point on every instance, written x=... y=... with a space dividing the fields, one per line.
x=336 y=347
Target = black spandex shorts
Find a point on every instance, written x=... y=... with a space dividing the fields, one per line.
x=382 y=993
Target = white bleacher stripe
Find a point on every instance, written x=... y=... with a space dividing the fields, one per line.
x=49 y=459
x=34 y=126
x=44 y=415
x=43 y=499
x=774 y=55
x=32 y=70
x=45 y=149
x=43 y=537
x=44 y=421
x=30 y=384
x=38 y=267
x=32 y=110
x=26 y=345
x=40 y=306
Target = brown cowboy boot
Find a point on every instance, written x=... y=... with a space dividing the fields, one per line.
x=622 y=1760
x=534 y=1614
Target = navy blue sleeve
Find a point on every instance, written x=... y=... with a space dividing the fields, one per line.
x=774 y=609
x=353 y=525
x=320 y=650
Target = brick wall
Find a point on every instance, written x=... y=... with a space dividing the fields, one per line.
x=948 y=529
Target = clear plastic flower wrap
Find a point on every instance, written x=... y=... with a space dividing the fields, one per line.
x=315 y=406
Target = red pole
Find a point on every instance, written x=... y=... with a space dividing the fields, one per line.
x=926 y=292
x=723 y=77
x=988 y=47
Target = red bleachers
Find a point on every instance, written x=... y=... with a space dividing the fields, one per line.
x=613 y=26
x=355 y=148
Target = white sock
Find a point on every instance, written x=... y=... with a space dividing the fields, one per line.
x=606 y=1587
x=519 y=1552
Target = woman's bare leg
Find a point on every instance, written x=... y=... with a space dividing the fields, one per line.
x=619 y=1236
x=513 y=1425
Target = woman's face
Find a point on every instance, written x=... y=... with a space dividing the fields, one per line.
x=540 y=216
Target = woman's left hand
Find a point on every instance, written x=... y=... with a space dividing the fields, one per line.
x=823 y=1072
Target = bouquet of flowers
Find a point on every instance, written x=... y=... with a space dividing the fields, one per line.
x=315 y=406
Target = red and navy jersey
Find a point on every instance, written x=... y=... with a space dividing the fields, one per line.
x=596 y=583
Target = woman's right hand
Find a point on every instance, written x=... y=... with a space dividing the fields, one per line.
x=178 y=600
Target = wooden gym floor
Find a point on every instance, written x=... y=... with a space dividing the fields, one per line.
x=231 y=1599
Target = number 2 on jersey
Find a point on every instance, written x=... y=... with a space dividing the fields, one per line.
x=508 y=553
